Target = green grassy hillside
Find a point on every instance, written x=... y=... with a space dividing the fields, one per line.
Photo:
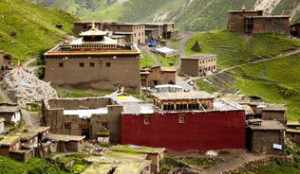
x=275 y=81
x=34 y=166
x=27 y=29
x=87 y=9
x=193 y=15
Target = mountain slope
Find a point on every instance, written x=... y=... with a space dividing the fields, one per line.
x=188 y=14
x=27 y=29
x=272 y=74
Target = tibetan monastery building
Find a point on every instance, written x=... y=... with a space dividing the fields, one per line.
x=94 y=59
x=184 y=121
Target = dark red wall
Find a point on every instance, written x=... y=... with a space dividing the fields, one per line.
x=201 y=131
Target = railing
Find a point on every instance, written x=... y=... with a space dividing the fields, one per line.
x=96 y=46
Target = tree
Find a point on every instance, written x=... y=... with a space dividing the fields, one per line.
x=197 y=47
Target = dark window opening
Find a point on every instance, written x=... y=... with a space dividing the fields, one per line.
x=181 y=107
x=108 y=64
x=146 y=120
x=193 y=106
x=68 y=125
x=92 y=64
x=249 y=25
x=169 y=107
x=61 y=64
x=81 y=64
x=181 y=119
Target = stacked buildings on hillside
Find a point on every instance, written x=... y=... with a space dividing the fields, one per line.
x=173 y=120
x=94 y=58
x=265 y=127
x=159 y=31
x=254 y=21
x=138 y=33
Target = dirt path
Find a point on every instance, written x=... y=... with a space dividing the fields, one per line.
x=184 y=37
x=233 y=163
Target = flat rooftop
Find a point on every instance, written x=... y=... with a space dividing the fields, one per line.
x=193 y=95
x=9 y=108
x=296 y=131
x=109 y=22
x=9 y=140
x=266 y=125
x=29 y=134
x=97 y=168
x=200 y=57
x=134 y=106
x=65 y=138
x=221 y=105
x=245 y=11
x=262 y=17
x=123 y=163
x=58 y=51
x=137 y=149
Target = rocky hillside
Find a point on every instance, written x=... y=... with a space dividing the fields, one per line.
x=27 y=29
x=188 y=14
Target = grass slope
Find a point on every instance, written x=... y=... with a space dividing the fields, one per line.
x=86 y=9
x=192 y=15
x=27 y=29
x=275 y=81
x=33 y=166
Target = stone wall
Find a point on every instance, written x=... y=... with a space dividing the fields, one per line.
x=270 y=25
x=157 y=76
x=274 y=115
x=262 y=141
x=90 y=103
x=190 y=67
x=294 y=136
x=98 y=72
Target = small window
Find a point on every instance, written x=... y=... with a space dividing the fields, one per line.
x=108 y=64
x=61 y=64
x=68 y=125
x=92 y=64
x=146 y=120
x=81 y=64
x=181 y=119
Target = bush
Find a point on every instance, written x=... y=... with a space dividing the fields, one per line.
x=196 y=47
